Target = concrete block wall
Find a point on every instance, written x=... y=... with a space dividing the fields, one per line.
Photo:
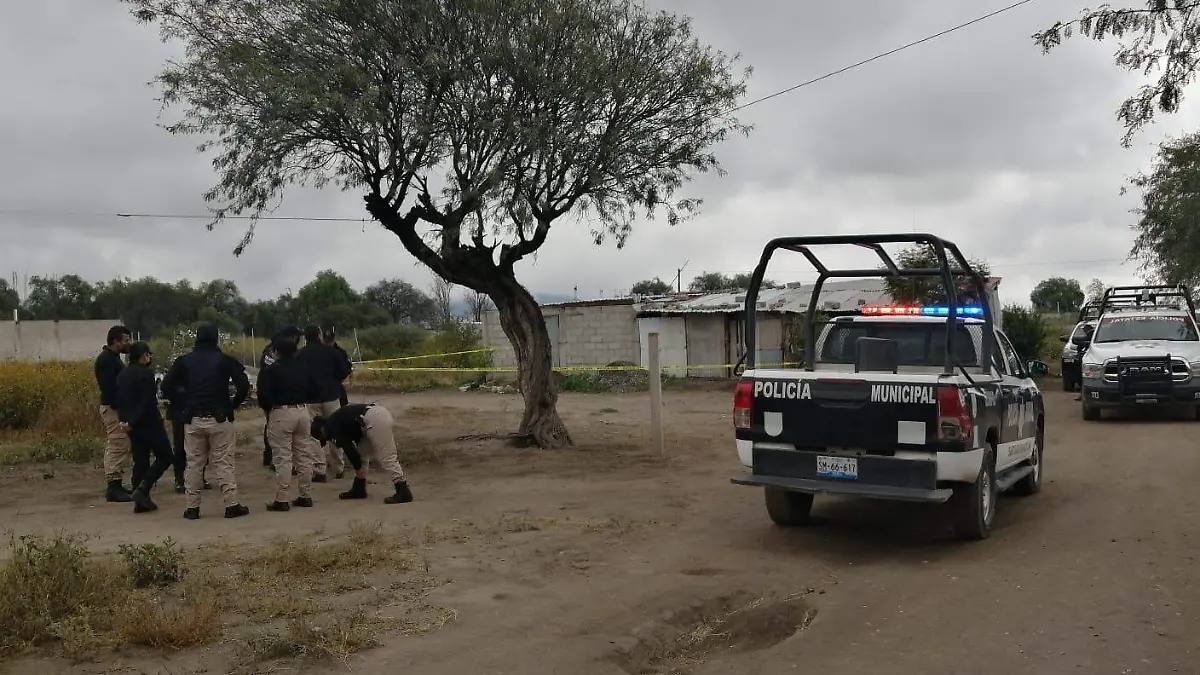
x=587 y=336
x=597 y=335
x=53 y=340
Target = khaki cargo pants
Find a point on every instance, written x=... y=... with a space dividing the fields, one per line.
x=116 y=444
x=289 y=433
x=379 y=443
x=331 y=456
x=208 y=442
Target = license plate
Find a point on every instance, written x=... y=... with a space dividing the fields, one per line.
x=845 y=468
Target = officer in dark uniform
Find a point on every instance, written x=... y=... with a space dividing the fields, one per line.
x=331 y=340
x=268 y=356
x=137 y=412
x=284 y=388
x=204 y=375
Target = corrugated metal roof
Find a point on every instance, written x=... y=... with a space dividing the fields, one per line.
x=835 y=295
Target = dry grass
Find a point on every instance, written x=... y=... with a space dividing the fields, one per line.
x=335 y=637
x=48 y=413
x=366 y=546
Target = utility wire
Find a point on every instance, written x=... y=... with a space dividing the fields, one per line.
x=880 y=55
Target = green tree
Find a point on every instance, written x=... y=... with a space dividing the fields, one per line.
x=653 y=286
x=1168 y=239
x=62 y=298
x=9 y=300
x=715 y=282
x=404 y=302
x=929 y=290
x=1162 y=36
x=1026 y=329
x=1057 y=294
x=472 y=126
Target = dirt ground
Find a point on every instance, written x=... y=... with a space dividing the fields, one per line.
x=604 y=559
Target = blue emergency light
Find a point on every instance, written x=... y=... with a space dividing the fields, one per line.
x=919 y=310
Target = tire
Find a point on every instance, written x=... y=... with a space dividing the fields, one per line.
x=1196 y=413
x=788 y=509
x=973 y=505
x=1090 y=413
x=1032 y=484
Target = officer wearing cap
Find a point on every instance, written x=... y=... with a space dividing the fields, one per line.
x=270 y=355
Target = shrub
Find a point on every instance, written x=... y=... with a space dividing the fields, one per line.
x=1026 y=330
x=153 y=564
x=390 y=341
x=57 y=399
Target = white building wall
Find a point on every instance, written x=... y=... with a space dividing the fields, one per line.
x=53 y=340
x=672 y=343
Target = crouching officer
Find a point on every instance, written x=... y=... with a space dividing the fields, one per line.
x=203 y=376
x=365 y=429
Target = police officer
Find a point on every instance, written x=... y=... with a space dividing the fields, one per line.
x=204 y=375
x=268 y=357
x=329 y=368
x=364 y=432
x=107 y=368
x=284 y=389
x=137 y=415
x=331 y=340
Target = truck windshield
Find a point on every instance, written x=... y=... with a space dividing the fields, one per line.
x=1122 y=328
x=919 y=344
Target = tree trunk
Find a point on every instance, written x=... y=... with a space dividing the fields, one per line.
x=522 y=321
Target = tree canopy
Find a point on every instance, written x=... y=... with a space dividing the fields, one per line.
x=470 y=126
x=927 y=289
x=1168 y=226
x=1057 y=294
x=1161 y=37
x=653 y=286
x=715 y=282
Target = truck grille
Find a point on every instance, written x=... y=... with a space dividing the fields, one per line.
x=1149 y=371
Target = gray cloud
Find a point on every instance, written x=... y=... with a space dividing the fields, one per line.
x=975 y=136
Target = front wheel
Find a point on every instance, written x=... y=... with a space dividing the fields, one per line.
x=973 y=506
x=1090 y=413
x=788 y=509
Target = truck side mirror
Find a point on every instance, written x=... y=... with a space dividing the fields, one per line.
x=1081 y=340
x=1062 y=338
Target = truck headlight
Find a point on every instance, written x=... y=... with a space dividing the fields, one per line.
x=1194 y=367
x=1093 y=370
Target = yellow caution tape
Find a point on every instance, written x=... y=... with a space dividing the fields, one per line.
x=425 y=356
x=511 y=369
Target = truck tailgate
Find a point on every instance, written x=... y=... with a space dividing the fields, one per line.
x=815 y=410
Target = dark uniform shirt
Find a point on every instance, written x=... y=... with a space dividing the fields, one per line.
x=344 y=428
x=107 y=367
x=137 y=397
x=288 y=381
x=203 y=377
x=329 y=366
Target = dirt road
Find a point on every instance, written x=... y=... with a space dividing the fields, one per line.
x=603 y=559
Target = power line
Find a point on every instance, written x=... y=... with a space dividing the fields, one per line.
x=174 y=216
x=881 y=55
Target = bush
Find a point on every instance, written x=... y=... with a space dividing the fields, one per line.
x=1027 y=331
x=56 y=399
x=390 y=341
x=405 y=342
x=153 y=564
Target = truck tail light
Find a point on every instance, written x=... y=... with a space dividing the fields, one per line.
x=955 y=422
x=743 y=398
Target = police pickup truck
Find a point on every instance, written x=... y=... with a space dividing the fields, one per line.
x=1145 y=351
x=926 y=403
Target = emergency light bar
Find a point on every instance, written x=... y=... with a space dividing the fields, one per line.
x=919 y=310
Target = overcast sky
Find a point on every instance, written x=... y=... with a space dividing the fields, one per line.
x=974 y=136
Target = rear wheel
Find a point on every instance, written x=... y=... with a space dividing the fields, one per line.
x=973 y=506
x=1032 y=483
x=788 y=509
x=1090 y=413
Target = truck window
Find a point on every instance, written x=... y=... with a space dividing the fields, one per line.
x=1133 y=327
x=919 y=344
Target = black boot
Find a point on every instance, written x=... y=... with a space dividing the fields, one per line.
x=267 y=458
x=116 y=492
x=357 y=491
x=236 y=511
x=179 y=487
x=319 y=478
x=141 y=500
x=403 y=494
x=278 y=506
x=303 y=502
x=191 y=514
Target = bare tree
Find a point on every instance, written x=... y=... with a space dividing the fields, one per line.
x=442 y=292
x=478 y=303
